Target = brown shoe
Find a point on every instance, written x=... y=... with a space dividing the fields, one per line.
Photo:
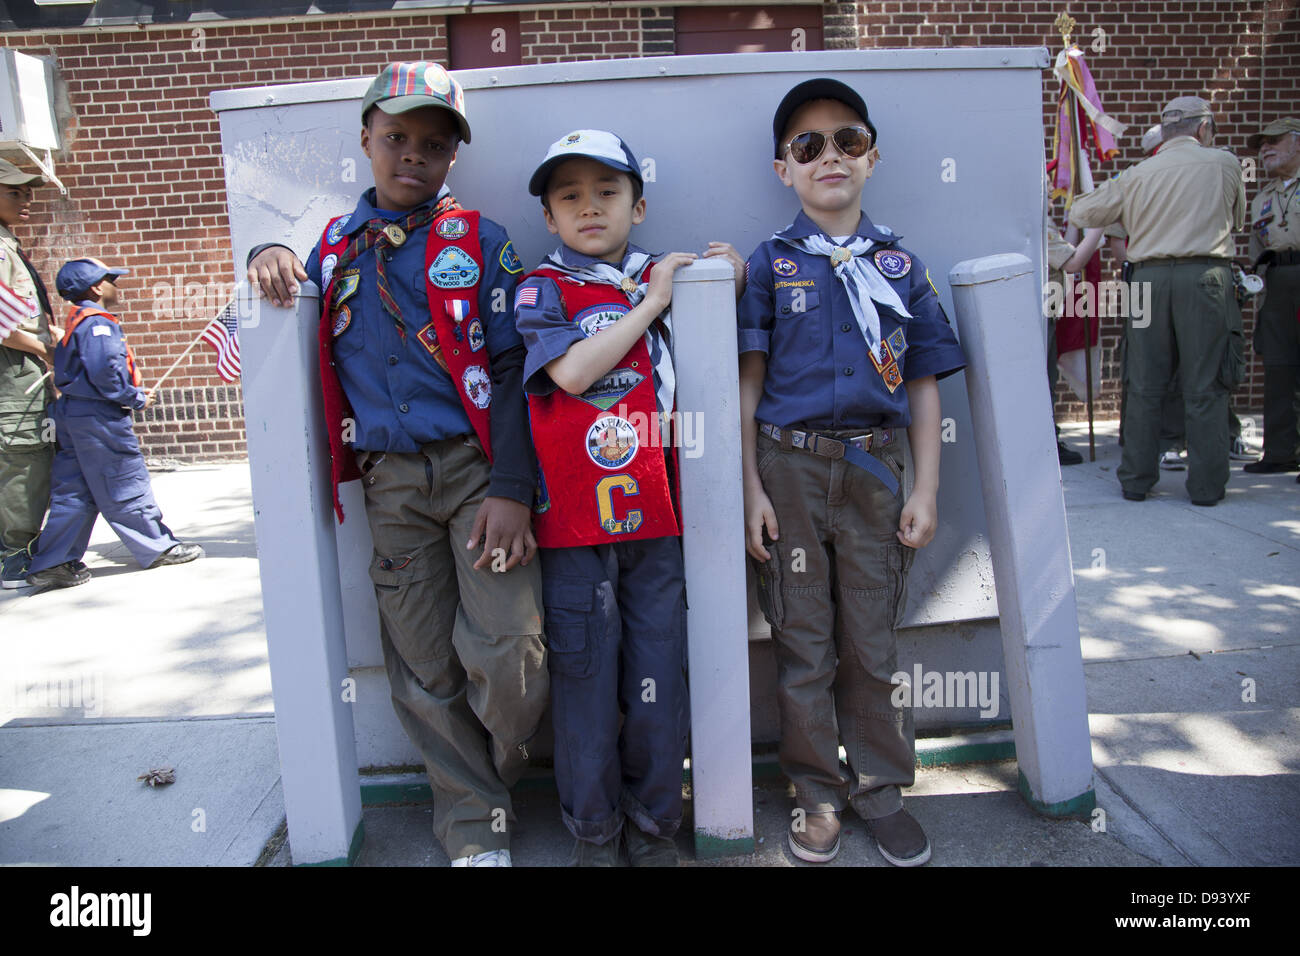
x=815 y=837
x=900 y=839
x=643 y=849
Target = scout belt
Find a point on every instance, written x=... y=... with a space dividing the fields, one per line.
x=856 y=451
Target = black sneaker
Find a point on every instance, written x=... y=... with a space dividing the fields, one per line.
x=177 y=554
x=900 y=839
x=1067 y=456
x=1134 y=496
x=14 y=573
x=646 y=850
x=60 y=576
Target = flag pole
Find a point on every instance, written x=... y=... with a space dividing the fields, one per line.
x=158 y=384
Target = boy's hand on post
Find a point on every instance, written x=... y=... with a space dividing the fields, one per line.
x=507 y=524
x=728 y=252
x=919 y=520
x=660 y=291
x=148 y=399
x=759 y=514
x=273 y=271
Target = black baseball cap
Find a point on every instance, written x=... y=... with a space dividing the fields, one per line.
x=822 y=88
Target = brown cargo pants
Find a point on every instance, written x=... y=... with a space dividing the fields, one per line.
x=833 y=593
x=463 y=648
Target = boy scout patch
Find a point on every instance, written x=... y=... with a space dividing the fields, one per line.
x=327 y=269
x=452 y=228
x=599 y=317
x=785 y=267
x=335 y=232
x=475 y=335
x=346 y=287
x=611 y=442
x=453 y=269
x=477 y=386
x=509 y=261
x=610 y=389
x=428 y=337
x=342 y=318
x=897 y=343
x=893 y=264
x=893 y=378
x=884 y=359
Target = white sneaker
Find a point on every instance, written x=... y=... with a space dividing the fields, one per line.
x=490 y=858
x=1238 y=451
x=1173 y=460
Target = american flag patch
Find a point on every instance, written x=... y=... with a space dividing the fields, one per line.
x=526 y=296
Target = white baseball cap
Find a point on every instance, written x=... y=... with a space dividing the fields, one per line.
x=598 y=144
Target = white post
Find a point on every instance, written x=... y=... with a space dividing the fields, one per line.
x=998 y=312
x=288 y=455
x=713 y=541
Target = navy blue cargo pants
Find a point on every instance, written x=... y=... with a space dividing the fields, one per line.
x=616 y=645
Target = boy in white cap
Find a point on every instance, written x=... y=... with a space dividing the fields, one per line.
x=599 y=376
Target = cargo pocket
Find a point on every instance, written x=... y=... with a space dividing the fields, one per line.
x=574 y=625
x=1232 y=370
x=767 y=579
x=406 y=607
x=900 y=563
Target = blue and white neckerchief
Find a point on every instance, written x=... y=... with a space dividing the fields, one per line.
x=628 y=279
x=861 y=279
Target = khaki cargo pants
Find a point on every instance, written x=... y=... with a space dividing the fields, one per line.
x=463 y=648
x=833 y=593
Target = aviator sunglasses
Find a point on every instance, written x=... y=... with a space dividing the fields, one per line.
x=852 y=141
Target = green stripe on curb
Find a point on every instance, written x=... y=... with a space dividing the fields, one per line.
x=978 y=747
x=358 y=836
x=1079 y=808
x=712 y=848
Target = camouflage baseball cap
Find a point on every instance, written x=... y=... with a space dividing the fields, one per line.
x=1287 y=124
x=11 y=175
x=409 y=86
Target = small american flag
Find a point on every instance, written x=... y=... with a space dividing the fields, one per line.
x=526 y=296
x=222 y=334
x=13 y=310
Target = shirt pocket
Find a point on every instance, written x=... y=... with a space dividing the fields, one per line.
x=798 y=339
x=351 y=338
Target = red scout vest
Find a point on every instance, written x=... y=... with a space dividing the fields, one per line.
x=85 y=312
x=603 y=473
x=454 y=321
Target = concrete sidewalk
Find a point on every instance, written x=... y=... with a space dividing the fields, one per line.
x=1190 y=623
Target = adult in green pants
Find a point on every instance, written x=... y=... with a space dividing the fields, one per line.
x=1180 y=208
x=1275 y=247
x=25 y=456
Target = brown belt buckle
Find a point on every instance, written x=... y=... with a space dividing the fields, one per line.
x=834 y=447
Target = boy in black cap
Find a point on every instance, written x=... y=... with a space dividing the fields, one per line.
x=98 y=468
x=600 y=383
x=421 y=371
x=842 y=339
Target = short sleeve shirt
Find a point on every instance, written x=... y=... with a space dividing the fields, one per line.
x=820 y=373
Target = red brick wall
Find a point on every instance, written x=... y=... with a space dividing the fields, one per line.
x=1243 y=56
x=147 y=189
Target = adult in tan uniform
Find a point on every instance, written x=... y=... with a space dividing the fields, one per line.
x=1180 y=208
x=1275 y=247
x=24 y=356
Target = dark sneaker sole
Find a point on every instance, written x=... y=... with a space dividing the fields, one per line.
x=921 y=858
x=56 y=585
x=809 y=855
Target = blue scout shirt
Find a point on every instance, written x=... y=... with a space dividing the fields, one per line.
x=401 y=397
x=548 y=331
x=93 y=363
x=819 y=371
